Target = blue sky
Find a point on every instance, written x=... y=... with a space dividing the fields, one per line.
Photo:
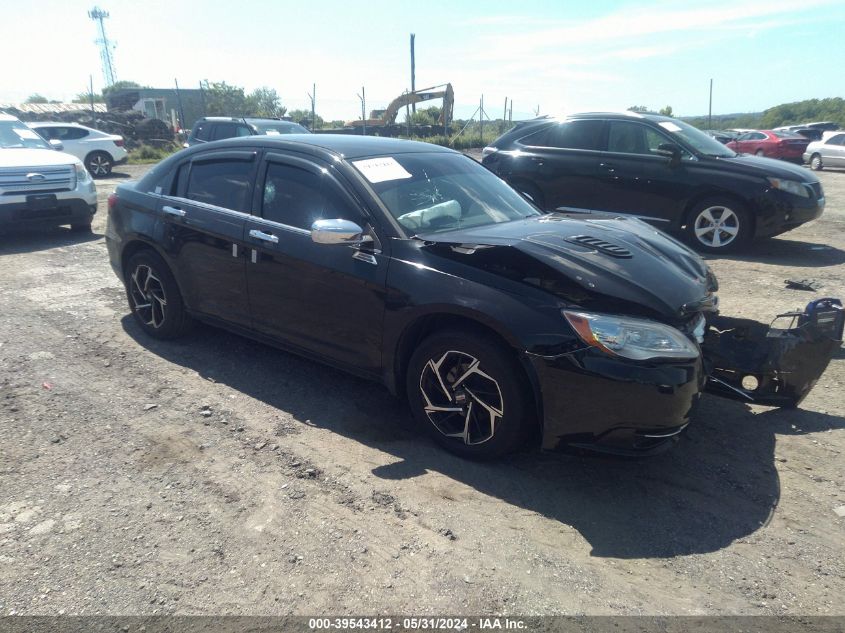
x=558 y=56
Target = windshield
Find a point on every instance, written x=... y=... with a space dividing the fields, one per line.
x=14 y=134
x=281 y=127
x=432 y=193
x=697 y=139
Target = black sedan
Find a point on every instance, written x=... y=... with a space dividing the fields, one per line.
x=413 y=265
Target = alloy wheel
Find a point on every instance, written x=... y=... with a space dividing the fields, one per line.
x=148 y=298
x=460 y=399
x=99 y=165
x=716 y=226
x=816 y=162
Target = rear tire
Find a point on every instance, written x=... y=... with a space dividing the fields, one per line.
x=816 y=163
x=718 y=225
x=468 y=394
x=98 y=164
x=154 y=297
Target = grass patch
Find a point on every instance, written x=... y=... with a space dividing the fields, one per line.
x=148 y=154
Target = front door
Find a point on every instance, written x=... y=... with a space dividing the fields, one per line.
x=637 y=180
x=204 y=223
x=326 y=299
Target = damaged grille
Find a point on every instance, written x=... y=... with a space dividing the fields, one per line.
x=600 y=245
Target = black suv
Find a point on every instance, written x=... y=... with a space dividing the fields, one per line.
x=658 y=169
x=412 y=265
x=212 y=128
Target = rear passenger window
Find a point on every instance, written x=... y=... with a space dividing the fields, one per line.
x=223 y=183
x=297 y=197
x=228 y=130
x=584 y=134
x=201 y=131
x=74 y=133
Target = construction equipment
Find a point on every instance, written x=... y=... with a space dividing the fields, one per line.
x=384 y=119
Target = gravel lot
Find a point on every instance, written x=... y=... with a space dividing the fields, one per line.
x=216 y=475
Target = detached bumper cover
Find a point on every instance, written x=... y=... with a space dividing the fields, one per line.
x=763 y=364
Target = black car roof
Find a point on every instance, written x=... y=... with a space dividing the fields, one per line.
x=347 y=146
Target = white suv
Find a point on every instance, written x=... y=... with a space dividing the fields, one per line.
x=99 y=151
x=41 y=186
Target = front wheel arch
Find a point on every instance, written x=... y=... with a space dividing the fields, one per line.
x=424 y=326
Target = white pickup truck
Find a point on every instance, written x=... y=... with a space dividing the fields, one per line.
x=40 y=186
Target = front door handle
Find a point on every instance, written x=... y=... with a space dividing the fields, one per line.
x=264 y=237
x=174 y=211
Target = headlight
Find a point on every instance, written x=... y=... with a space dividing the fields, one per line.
x=790 y=186
x=82 y=174
x=637 y=339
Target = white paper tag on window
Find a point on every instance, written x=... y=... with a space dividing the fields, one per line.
x=668 y=125
x=272 y=133
x=381 y=169
x=27 y=134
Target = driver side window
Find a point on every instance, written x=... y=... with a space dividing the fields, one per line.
x=298 y=197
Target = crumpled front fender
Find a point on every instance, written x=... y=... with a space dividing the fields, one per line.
x=764 y=364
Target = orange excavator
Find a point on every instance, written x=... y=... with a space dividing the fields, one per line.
x=387 y=117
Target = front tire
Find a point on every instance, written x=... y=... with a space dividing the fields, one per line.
x=719 y=226
x=99 y=164
x=81 y=227
x=816 y=162
x=154 y=297
x=760 y=152
x=469 y=394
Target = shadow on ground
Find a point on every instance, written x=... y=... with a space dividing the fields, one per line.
x=786 y=252
x=31 y=240
x=718 y=485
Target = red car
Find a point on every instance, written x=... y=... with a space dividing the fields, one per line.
x=771 y=143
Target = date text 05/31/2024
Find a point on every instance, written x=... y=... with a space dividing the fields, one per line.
x=415 y=624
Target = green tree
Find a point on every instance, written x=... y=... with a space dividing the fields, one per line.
x=36 y=98
x=426 y=116
x=265 y=102
x=120 y=85
x=667 y=111
x=221 y=99
x=85 y=97
x=303 y=117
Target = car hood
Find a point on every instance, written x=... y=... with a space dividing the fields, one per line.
x=763 y=167
x=29 y=157
x=605 y=263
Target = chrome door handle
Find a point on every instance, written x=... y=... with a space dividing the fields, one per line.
x=264 y=237
x=174 y=211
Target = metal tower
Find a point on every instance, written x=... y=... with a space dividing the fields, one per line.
x=106 y=46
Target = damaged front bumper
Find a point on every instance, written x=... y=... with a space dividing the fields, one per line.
x=765 y=364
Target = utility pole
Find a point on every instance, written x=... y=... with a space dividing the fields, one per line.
x=106 y=46
x=481 y=119
x=181 y=109
x=202 y=98
x=313 y=96
x=504 y=117
x=413 y=73
x=91 y=91
x=710 y=108
x=363 y=98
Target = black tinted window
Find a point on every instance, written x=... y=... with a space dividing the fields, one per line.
x=568 y=135
x=633 y=138
x=200 y=131
x=228 y=130
x=73 y=133
x=297 y=197
x=223 y=183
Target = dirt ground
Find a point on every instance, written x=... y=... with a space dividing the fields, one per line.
x=216 y=475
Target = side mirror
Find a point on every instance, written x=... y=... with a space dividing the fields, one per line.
x=336 y=232
x=670 y=151
x=56 y=144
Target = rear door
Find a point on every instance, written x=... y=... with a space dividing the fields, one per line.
x=637 y=180
x=562 y=160
x=204 y=223
x=326 y=299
